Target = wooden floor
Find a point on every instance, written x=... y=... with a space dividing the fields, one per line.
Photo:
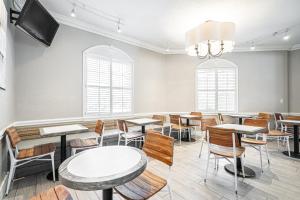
x=279 y=181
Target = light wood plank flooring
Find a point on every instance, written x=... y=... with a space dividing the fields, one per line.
x=280 y=180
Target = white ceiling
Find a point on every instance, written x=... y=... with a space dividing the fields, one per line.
x=161 y=24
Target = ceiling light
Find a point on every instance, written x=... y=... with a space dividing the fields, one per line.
x=119 y=30
x=73 y=14
x=252 y=48
x=210 y=39
x=286 y=37
x=167 y=50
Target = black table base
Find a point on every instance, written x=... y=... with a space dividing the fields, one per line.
x=293 y=154
x=63 y=156
x=249 y=173
x=107 y=194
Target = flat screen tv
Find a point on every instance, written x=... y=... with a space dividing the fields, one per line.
x=35 y=20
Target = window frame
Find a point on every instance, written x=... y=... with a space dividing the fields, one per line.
x=213 y=65
x=84 y=81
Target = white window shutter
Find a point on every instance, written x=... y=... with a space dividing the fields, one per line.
x=216 y=89
x=108 y=86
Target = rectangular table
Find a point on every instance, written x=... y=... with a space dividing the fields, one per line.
x=143 y=122
x=296 y=124
x=240 y=117
x=241 y=129
x=61 y=131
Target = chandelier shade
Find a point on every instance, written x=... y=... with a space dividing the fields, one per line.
x=210 y=39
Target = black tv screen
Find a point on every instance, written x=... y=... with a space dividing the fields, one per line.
x=37 y=22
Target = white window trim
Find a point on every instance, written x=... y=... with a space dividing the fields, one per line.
x=213 y=62
x=84 y=86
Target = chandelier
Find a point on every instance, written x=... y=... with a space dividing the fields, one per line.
x=210 y=39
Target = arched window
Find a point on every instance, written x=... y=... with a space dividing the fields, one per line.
x=216 y=85
x=108 y=81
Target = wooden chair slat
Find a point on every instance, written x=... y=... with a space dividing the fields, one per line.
x=206 y=122
x=222 y=137
x=258 y=122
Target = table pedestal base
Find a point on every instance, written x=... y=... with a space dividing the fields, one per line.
x=293 y=154
x=50 y=175
x=249 y=173
x=107 y=194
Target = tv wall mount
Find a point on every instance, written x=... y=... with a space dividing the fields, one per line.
x=13 y=15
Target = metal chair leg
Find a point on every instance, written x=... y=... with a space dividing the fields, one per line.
x=207 y=164
x=267 y=152
x=11 y=176
x=260 y=160
x=235 y=175
x=53 y=165
x=170 y=191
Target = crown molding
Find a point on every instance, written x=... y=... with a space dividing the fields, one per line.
x=73 y=22
x=295 y=47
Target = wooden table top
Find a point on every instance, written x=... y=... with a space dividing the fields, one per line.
x=143 y=121
x=242 y=128
x=102 y=167
x=189 y=116
x=240 y=115
x=62 y=130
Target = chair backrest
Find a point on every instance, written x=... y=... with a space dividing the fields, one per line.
x=99 y=127
x=13 y=136
x=162 y=118
x=206 y=122
x=222 y=137
x=258 y=122
x=122 y=126
x=175 y=119
x=159 y=147
x=265 y=116
x=278 y=116
x=220 y=118
x=199 y=114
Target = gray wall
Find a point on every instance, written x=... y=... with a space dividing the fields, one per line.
x=7 y=100
x=294 y=81
x=50 y=79
x=262 y=78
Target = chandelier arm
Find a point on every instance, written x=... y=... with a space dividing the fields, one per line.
x=219 y=53
x=197 y=52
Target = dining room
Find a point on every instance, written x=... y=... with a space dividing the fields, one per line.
x=161 y=99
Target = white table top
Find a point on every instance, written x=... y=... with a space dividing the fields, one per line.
x=295 y=122
x=240 y=115
x=143 y=121
x=189 y=116
x=103 y=167
x=59 y=130
x=241 y=128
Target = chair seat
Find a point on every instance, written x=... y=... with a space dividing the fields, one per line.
x=57 y=193
x=81 y=143
x=142 y=187
x=278 y=133
x=36 y=151
x=226 y=151
x=177 y=127
x=132 y=135
x=253 y=141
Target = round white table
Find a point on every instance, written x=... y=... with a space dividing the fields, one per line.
x=102 y=168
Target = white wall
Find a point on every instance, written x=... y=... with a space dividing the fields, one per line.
x=294 y=81
x=49 y=80
x=262 y=81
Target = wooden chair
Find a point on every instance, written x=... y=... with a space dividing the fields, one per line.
x=19 y=157
x=146 y=185
x=220 y=118
x=177 y=125
x=80 y=144
x=162 y=125
x=277 y=117
x=205 y=123
x=59 y=192
x=224 y=143
x=126 y=135
x=256 y=143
